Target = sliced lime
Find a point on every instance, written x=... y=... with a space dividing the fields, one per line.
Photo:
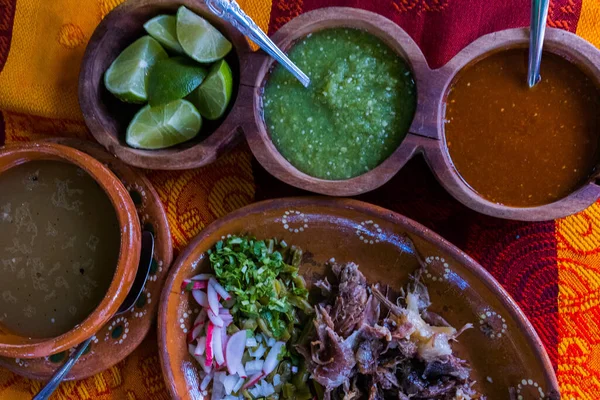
x=164 y=29
x=213 y=95
x=173 y=79
x=126 y=76
x=199 y=39
x=163 y=126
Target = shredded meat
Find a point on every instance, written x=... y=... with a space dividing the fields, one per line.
x=367 y=345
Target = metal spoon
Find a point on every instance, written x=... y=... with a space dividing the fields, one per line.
x=231 y=12
x=539 y=14
x=133 y=295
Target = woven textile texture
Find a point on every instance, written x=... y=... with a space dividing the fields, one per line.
x=551 y=268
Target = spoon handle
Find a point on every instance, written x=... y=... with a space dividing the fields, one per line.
x=230 y=11
x=60 y=373
x=539 y=14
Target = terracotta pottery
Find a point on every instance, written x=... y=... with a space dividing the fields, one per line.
x=15 y=346
x=121 y=335
x=108 y=118
x=503 y=348
x=426 y=134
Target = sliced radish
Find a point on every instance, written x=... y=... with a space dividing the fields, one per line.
x=224 y=339
x=210 y=329
x=202 y=361
x=200 y=298
x=235 y=351
x=189 y=285
x=191 y=348
x=206 y=381
x=272 y=358
x=227 y=321
x=198 y=326
x=217 y=345
x=251 y=342
x=213 y=299
x=253 y=379
x=242 y=372
x=220 y=289
x=215 y=319
x=225 y=312
x=201 y=318
x=202 y=277
x=201 y=346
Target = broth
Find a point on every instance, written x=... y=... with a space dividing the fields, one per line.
x=522 y=146
x=59 y=247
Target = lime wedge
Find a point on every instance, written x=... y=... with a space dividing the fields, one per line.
x=164 y=29
x=199 y=39
x=163 y=126
x=213 y=95
x=126 y=76
x=173 y=79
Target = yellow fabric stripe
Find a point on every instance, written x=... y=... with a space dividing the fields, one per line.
x=588 y=26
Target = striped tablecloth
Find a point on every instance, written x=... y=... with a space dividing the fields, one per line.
x=551 y=268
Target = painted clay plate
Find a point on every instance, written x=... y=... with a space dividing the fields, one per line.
x=503 y=349
x=121 y=335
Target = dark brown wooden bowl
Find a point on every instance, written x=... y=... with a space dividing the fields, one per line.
x=107 y=117
x=426 y=133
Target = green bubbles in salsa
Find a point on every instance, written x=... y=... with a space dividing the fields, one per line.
x=356 y=111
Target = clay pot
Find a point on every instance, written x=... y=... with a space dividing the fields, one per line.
x=16 y=346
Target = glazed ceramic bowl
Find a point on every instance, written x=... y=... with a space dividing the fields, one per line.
x=108 y=118
x=503 y=348
x=15 y=346
x=426 y=134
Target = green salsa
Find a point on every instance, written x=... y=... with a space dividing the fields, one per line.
x=356 y=111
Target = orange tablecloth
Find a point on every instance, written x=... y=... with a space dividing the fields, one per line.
x=551 y=268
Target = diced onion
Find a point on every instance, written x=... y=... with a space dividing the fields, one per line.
x=206 y=381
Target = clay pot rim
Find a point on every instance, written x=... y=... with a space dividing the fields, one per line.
x=99 y=121
x=404 y=222
x=129 y=250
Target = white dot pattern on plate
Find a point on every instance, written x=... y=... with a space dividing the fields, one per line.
x=531 y=383
x=369 y=232
x=294 y=221
x=429 y=273
x=492 y=324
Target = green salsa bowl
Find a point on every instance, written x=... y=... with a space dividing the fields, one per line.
x=350 y=131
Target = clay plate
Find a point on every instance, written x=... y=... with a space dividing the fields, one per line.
x=503 y=349
x=121 y=335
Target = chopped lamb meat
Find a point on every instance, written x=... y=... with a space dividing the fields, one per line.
x=367 y=346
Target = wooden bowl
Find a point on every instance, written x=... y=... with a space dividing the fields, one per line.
x=503 y=348
x=426 y=133
x=260 y=65
x=557 y=41
x=108 y=118
x=15 y=346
